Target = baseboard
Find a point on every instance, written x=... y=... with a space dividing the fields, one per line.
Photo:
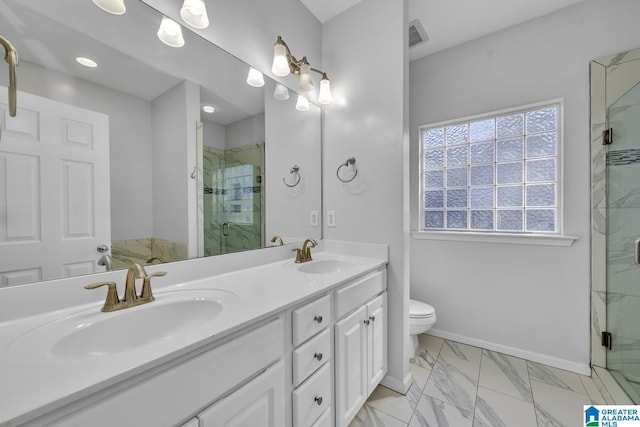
x=400 y=386
x=579 y=368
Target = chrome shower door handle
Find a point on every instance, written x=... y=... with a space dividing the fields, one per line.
x=636 y=252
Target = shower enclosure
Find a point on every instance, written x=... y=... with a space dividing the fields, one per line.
x=616 y=217
x=230 y=196
x=232 y=199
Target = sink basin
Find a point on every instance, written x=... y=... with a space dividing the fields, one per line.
x=325 y=266
x=92 y=333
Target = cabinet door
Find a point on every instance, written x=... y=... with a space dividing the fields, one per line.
x=260 y=403
x=351 y=366
x=376 y=341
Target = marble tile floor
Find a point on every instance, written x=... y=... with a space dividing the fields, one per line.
x=459 y=385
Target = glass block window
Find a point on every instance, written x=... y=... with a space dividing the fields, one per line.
x=493 y=173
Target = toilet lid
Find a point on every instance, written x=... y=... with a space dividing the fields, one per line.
x=420 y=309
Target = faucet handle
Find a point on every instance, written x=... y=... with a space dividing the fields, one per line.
x=112 y=299
x=147 y=293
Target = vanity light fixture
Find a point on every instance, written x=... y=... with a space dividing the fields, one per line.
x=170 y=33
x=194 y=13
x=325 y=97
x=255 y=78
x=209 y=109
x=285 y=63
x=281 y=93
x=90 y=63
x=115 y=7
x=302 y=104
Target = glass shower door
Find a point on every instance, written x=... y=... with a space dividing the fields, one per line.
x=623 y=229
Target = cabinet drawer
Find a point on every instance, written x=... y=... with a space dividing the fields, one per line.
x=310 y=356
x=352 y=296
x=324 y=420
x=310 y=319
x=312 y=398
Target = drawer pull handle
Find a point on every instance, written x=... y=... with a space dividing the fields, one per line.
x=318 y=319
x=318 y=400
x=318 y=356
x=372 y=318
x=366 y=321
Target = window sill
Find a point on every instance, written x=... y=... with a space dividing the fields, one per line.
x=501 y=238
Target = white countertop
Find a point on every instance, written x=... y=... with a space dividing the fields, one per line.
x=41 y=382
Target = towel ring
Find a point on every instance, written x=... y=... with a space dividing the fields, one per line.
x=294 y=170
x=350 y=161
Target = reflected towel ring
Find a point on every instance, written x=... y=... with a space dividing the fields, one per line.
x=350 y=161
x=294 y=170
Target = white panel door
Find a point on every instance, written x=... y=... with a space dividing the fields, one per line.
x=376 y=341
x=351 y=366
x=54 y=190
x=260 y=403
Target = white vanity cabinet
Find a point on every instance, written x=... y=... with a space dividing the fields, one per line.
x=311 y=362
x=360 y=343
x=260 y=403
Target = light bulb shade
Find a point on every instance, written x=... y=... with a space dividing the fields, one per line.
x=306 y=83
x=116 y=7
x=302 y=104
x=255 y=78
x=325 y=97
x=170 y=33
x=281 y=93
x=194 y=13
x=280 y=65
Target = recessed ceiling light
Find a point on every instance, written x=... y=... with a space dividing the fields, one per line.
x=87 y=62
x=208 y=109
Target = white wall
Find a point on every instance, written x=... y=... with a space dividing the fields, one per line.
x=174 y=126
x=294 y=139
x=532 y=301
x=248 y=131
x=129 y=141
x=214 y=135
x=367 y=122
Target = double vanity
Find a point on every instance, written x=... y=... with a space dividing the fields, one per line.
x=245 y=340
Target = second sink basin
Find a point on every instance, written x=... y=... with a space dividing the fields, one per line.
x=325 y=266
x=92 y=333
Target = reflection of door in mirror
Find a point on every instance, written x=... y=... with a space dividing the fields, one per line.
x=233 y=218
x=54 y=198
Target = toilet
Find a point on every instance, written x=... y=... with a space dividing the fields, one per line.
x=421 y=317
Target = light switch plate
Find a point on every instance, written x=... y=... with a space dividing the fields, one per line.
x=331 y=218
x=314 y=219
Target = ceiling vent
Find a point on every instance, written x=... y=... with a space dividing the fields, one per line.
x=417 y=34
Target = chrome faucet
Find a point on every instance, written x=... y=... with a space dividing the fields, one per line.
x=11 y=57
x=304 y=254
x=131 y=298
x=106 y=261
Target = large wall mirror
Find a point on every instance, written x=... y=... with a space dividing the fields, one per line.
x=121 y=162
